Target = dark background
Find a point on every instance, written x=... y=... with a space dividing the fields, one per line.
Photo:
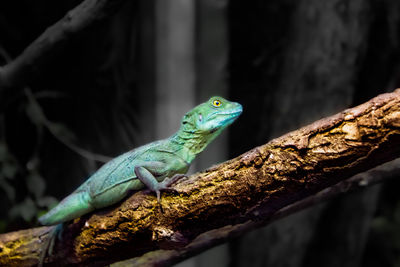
x=128 y=80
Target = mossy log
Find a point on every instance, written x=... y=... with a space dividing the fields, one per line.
x=226 y=197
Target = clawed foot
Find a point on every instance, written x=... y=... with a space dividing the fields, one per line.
x=147 y=178
x=170 y=181
x=166 y=183
x=48 y=246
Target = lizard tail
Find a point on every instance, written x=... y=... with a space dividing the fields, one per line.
x=71 y=207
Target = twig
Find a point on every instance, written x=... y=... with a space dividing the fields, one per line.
x=50 y=126
x=5 y=55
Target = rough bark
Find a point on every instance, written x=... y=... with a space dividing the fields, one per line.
x=251 y=187
x=212 y=238
x=26 y=66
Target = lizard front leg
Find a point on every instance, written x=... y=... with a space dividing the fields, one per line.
x=151 y=182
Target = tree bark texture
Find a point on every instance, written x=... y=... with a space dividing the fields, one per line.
x=212 y=238
x=251 y=187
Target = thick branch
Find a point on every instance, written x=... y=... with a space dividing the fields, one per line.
x=232 y=197
x=215 y=237
x=27 y=65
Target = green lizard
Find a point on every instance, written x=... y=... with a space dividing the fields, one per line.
x=149 y=165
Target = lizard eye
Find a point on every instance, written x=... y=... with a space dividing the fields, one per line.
x=216 y=103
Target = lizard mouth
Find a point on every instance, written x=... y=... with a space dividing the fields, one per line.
x=220 y=119
x=233 y=112
x=230 y=115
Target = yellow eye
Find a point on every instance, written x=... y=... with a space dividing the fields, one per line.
x=216 y=103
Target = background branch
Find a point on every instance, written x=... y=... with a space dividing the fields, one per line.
x=56 y=128
x=231 y=198
x=26 y=66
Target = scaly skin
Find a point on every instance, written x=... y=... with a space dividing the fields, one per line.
x=150 y=164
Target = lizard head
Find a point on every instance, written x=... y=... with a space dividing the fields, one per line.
x=211 y=117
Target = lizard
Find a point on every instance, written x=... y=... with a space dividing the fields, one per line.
x=156 y=166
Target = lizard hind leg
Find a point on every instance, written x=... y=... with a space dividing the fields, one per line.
x=48 y=247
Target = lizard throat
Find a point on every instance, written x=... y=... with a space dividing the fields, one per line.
x=191 y=144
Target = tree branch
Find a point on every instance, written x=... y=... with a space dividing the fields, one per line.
x=230 y=198
x=218 y=236
x=20 y=71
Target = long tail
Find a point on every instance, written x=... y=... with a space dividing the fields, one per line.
x=71 y=207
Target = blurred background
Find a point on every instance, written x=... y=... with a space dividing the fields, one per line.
x=129 y=80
